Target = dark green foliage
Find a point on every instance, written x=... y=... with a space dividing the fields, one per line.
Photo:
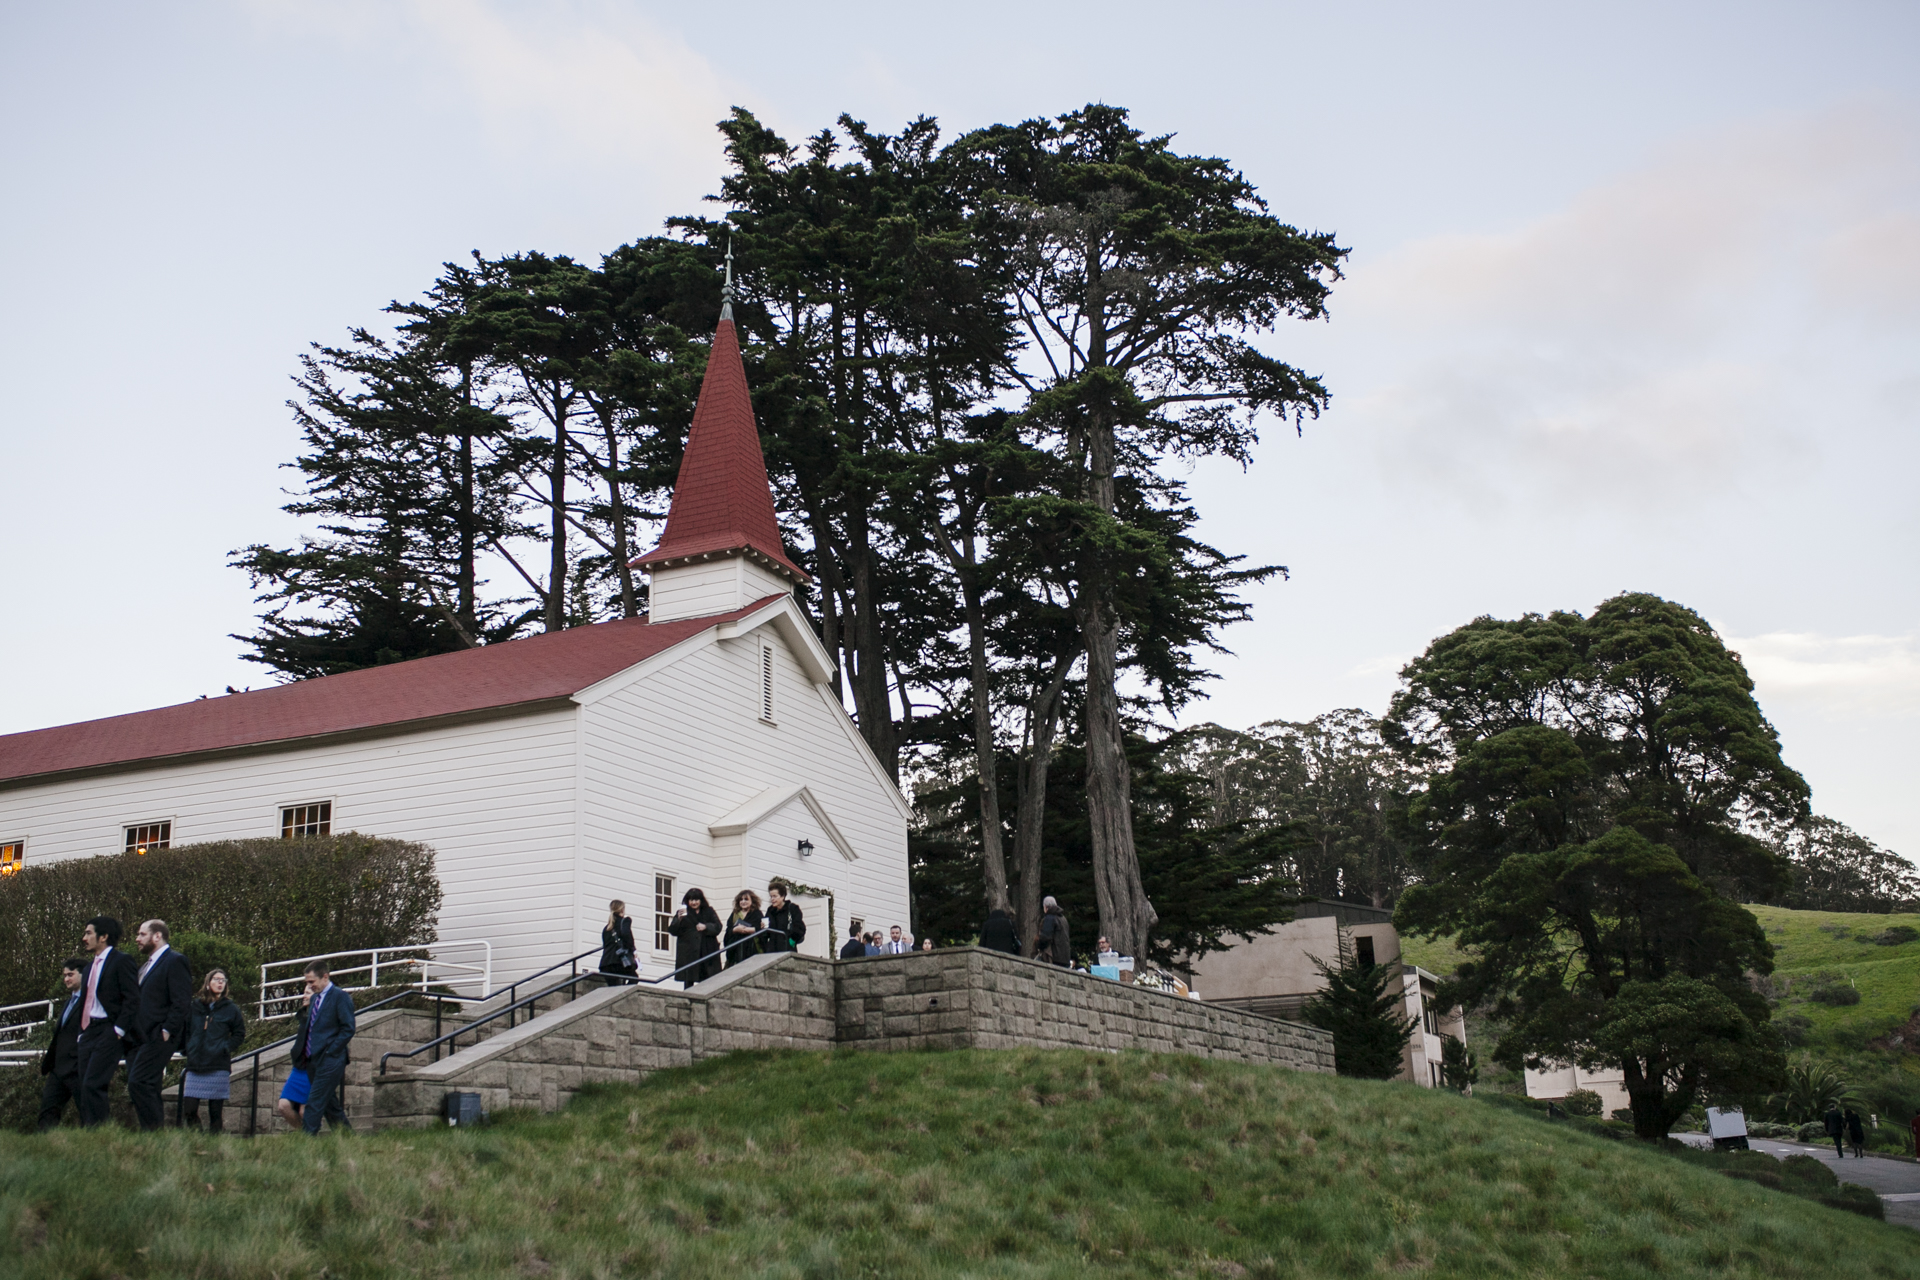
x=205 y=952
x=1802 y=1176
x=1582 y=833
x=280 y=898
x=1835 y=868
x=1582 y=1102
x=1837 y=993
x=1365 y=1009
x=1898 y=936
x=1459 y=1065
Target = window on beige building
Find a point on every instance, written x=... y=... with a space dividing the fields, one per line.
x=306 y=820
x=662 y=912
x=12 y=854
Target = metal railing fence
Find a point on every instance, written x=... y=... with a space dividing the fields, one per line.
x=423 y=965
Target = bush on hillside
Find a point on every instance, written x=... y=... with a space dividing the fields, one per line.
x=1583 y=1102
x=1838 y=993
x=1897 y=936
x=280 y=898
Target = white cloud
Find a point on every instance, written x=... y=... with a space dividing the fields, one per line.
x=1688 y=328
x=1835 y=676
x=595 y=82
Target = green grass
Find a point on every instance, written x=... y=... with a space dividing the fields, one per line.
x=1810 y=942
x=1014 y=1164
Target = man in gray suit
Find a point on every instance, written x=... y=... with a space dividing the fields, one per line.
x=326 y=1028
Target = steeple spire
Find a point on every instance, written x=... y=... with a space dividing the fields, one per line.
x=721 y=549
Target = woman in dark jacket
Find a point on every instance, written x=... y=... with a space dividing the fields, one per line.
x=783 y=913
x=618 y=959
x=214 y=1032
x=997 y=934
x=745 y=921
x=696 y=930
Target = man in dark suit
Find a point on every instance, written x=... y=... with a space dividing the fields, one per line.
x=108 y=996
x=326 y=1029
x=160 y=1022
x=60 y=1064
x=854 y=947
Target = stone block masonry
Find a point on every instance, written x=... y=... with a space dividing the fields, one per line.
x=963 y=998
x=970 y=998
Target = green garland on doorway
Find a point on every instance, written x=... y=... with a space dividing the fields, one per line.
x=814 y=891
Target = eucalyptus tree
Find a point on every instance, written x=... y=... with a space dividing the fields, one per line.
x=1136 y=273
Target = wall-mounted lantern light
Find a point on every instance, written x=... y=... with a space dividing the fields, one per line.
x=806 y=848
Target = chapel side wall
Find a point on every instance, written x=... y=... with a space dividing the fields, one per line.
x=968 y=997
x=670 y=754
x=494 y=799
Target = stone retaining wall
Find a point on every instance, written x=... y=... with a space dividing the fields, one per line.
x=618 y=1035
x=968 y=997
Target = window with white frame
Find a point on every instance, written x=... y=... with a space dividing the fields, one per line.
x=766 y=682
x=306 y=820
x=12 y=854
x=662 y=912
x=148 y=836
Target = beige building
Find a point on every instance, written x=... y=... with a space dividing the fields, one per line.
x=1556 y=1081
x=1275 y=974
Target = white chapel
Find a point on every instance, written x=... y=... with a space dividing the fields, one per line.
x=699 y=746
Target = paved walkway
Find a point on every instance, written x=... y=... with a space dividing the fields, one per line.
x=1897 y=1181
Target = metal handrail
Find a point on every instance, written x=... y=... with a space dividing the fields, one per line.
x=396 y=957
x=21 y=1030
x=253 y=1104
x=613 y=979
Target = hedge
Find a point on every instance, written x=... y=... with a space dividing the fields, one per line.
x=281 y=898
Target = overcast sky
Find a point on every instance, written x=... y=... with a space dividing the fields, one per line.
x=1634 y=299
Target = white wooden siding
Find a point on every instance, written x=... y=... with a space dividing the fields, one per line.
x=715 y=586
x=667 y=756
x=495 y=800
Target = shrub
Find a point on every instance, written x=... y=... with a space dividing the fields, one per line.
x=1837 y=994
x=1794 y=1029
x=205 y=952
x=278 y=897
x=1582 y=1102
x=1898 y=935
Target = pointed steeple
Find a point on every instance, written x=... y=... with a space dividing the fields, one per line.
x=722 y=502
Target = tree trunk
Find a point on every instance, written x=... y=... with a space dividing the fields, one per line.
x=621 y=554
x=556 y=615
x=985 y=757
x=1126 y=916
x=1029 y=835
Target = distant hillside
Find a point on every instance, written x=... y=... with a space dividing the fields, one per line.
x=1014 y=1164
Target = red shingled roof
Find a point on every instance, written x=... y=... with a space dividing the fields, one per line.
x=722 y=501
x=490 y=679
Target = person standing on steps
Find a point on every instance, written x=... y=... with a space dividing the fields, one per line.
x=744 y=921
x=325 y=1032
x=1836 y=1127
x=696 y=931
x=1856 y=1134
x=1053 y=945
x=997 y=933
x=855 y=947
x=618 y=959
x=896 y=943
x=783 y=913
x=60 y=1064
x=108 y=1001
x=160 y=1026
x=215 y=1033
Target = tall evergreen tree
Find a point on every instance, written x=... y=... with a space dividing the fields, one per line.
x=1137 y=272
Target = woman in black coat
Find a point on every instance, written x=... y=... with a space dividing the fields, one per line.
x=743 y=923
x=214 y=1031
x=696 y=931
x=618 y=958
x=997 y=934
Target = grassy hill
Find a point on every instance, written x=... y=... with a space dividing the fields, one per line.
x=1015 y=1164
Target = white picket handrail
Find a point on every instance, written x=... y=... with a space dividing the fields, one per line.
x=424 y=965
x=11 y=1031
